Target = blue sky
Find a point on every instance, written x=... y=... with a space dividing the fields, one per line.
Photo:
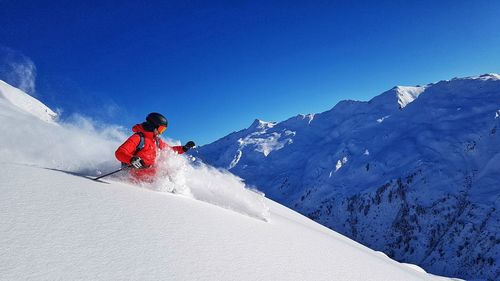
x=212 y=67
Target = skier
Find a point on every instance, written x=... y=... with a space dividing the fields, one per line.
x=139 y=151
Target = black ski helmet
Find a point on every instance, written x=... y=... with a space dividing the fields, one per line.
x=157 y=120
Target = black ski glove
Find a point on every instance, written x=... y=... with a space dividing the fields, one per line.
x=188 y=145
x=136 y=162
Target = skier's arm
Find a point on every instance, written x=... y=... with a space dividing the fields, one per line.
x=126 y=151
x=178 y=148
x=183 y=148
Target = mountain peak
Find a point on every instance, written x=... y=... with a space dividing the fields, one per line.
x=407 y=94
x=261 y=125
x=398 y=97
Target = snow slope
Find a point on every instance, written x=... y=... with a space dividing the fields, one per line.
x=60 y=225
x=25 y=103
x=30 y=135
x=412 y=172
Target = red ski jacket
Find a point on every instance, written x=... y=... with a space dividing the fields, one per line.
x=148 y=153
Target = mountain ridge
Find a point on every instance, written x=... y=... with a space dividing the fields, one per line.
x=426 y=152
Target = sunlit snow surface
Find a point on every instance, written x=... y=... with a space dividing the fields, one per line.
x=58 y=226
x=26 y=103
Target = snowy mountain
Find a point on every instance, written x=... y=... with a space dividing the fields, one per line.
x=57 y=224
x=412 y=172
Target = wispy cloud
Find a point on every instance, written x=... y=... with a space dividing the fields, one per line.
x=60 y=92
x=17 y=70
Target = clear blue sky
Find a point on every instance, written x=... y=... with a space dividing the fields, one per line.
x=213 y=66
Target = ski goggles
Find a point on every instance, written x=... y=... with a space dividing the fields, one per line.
x=161 y=129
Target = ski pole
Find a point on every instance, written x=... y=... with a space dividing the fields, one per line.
x=109 y=174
